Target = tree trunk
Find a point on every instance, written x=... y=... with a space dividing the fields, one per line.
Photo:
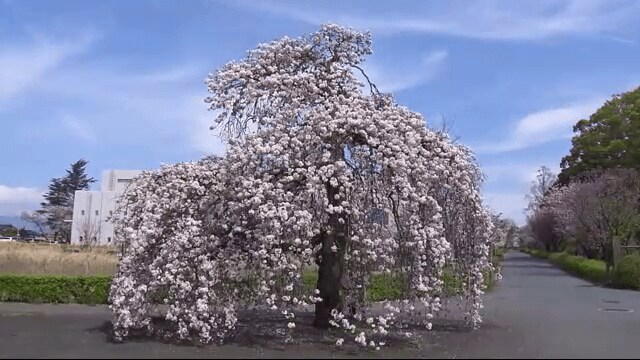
x=608 y=258
x=331 y=265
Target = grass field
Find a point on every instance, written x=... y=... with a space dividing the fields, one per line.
x=54 y=259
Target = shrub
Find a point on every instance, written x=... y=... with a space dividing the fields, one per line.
x=571 y=248
x=589 y=269
x=627 y=272
x=54 y=289
x=498 y=253
x=572 y=263
x=558 y=257
x=594 y=270
x=538 y=253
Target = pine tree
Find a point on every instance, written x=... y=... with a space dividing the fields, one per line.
x=58 y=204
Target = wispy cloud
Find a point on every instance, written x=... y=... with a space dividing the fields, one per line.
x=517 y=174
x=478 y=19
x=14 y=200
x=391 y=79
x=79 y=128
x=24 y=65
x=176 y=74
x=159 y=108
x=541 y=127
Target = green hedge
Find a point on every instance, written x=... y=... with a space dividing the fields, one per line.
x=54 y=289
x=95 y=289
x=627 y=272
x=588 y=269
x=626 y=275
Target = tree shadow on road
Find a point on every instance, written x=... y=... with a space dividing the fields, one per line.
x=264 y=330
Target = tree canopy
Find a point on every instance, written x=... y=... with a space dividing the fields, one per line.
x=58 y=200
x=610 y=138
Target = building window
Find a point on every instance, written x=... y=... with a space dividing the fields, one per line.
x=378 y=216
x=96 y=212
x=109 y=239
x=82 y=212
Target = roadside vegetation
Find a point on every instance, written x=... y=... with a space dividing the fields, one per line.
x=20 y=258
x=587 y=218
x=625 y=276
x=43 y=273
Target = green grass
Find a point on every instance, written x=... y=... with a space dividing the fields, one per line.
x=386 y=287
x=392 y=286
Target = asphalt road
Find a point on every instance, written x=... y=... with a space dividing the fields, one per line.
x=537 y=311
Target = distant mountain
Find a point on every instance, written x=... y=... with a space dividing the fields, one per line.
x=17 y=222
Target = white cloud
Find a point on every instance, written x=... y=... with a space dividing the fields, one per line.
x=79 y=128
x=15 y=200
x=509 y=172
x=175 y=74
x=164 y=107
x=478 y=19
x=392 y=79
x=511 y=205
x=23 y=66
x=541 y=127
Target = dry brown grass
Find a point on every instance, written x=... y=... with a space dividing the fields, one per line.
x=54 y=259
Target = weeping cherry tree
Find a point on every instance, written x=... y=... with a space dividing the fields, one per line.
x=312 y=154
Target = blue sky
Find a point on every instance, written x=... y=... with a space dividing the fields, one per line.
x=121 y=83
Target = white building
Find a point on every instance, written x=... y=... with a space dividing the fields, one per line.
x=92 y=209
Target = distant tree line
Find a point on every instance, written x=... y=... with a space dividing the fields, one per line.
x=592 y=207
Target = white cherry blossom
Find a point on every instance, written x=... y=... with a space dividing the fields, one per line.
x=312 y=156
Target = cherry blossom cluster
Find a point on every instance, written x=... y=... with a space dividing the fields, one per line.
x=310 y=155
x=595 y=210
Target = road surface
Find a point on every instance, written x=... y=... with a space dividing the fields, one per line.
x=537 y=311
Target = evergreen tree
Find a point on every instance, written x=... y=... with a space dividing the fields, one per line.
x=58 y=204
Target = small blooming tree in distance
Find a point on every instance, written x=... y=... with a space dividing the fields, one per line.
x=600 y=211
x=312 y=154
